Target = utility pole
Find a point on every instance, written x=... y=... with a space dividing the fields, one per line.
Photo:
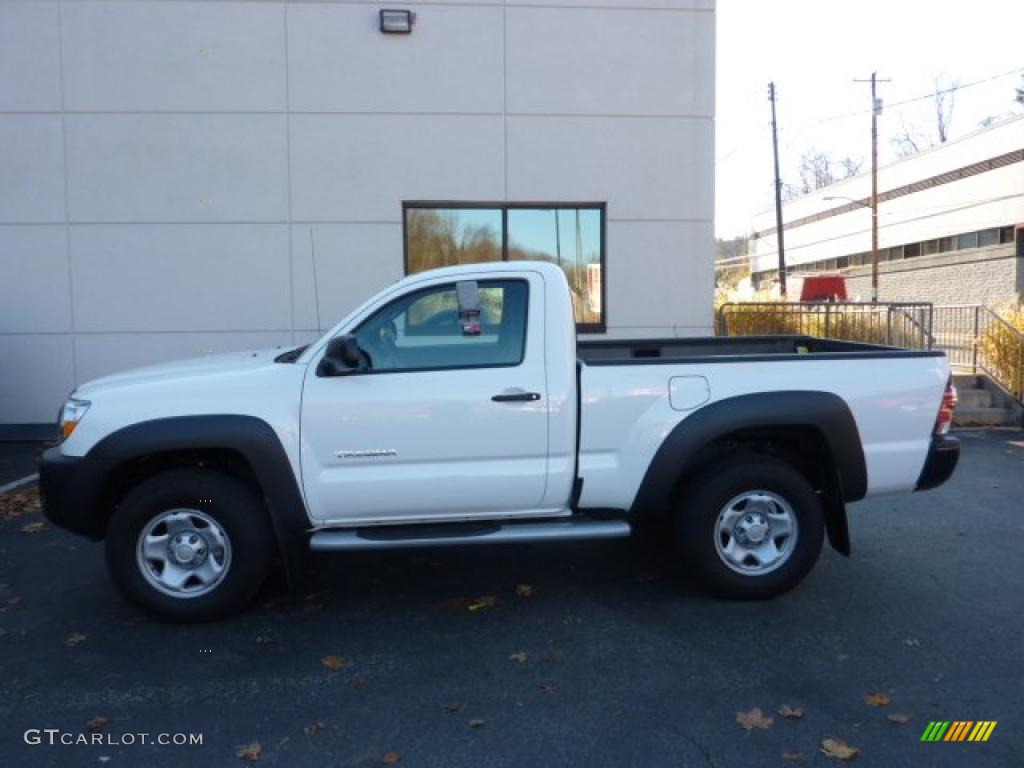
x=779 y=232
x=876 y=110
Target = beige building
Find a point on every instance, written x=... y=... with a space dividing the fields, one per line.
x=174 y=173
x=951 y=225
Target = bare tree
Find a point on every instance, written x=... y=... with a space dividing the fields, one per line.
x=851 y=166
x=944 y=101
x=912 y=140
x=820 y=169
x=908 y=142
x=816 y=170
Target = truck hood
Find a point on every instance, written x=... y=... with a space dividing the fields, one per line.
x=193 y=367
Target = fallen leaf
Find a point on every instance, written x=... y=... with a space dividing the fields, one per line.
x=19 y=502
x=793 y=755
x=359 y=681
x=485 y=601
x=454 y=706
x=477 y=722
x=33 y=527
x=755 y=718
x=520 y=656
x=250 y=752
x=876 y=699
x=524 y=590
x=392 y=758
x=793 y=713
x=912 y=642
x=313 y=728
x=73 y=639
x=98 y=723
x=838 y=749
x=898 y=718
x=333 y=662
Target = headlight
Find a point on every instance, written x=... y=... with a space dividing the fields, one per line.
x=70 y=415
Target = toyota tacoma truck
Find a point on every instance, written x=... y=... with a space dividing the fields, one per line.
x=457 y=407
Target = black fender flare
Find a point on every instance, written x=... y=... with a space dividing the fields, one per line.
x=251 y=437
x=823 y=411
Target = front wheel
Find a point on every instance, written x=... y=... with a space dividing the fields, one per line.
x=750 y=529
x=190 y=545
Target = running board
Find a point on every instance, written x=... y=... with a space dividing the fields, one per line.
x=443 y=535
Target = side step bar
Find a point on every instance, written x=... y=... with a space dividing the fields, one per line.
x=449 y=535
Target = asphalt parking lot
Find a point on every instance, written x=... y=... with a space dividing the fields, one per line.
x=589 y=654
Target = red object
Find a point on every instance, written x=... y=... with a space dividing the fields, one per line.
x=823 y=288
x=945 y=417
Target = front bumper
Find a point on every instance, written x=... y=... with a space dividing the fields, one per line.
x=938 y=467
x=68 y=488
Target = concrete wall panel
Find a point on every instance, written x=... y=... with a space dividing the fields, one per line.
x=213 y=277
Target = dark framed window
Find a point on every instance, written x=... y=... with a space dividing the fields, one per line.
x=571 y=235
x=966 y=241
x=987 y=237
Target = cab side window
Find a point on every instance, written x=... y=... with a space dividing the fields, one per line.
x=423 y=331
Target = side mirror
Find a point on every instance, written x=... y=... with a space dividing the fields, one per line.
x=342 y=356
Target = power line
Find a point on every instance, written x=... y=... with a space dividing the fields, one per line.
x=930 y=95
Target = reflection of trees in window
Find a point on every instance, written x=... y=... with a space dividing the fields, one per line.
x=571 y=237
x=444 y=237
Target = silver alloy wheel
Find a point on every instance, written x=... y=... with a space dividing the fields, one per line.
x=183 y=553
x=756 y=533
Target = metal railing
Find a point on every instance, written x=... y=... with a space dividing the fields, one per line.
x=897 y=324
x=974 y=336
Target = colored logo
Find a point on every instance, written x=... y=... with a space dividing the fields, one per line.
x=958 y=730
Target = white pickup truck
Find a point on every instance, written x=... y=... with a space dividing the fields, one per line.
x=457 y=407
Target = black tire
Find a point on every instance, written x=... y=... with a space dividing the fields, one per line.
x=234 y=507
x=704 y=500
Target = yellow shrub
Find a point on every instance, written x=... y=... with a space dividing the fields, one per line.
x=1001 y=349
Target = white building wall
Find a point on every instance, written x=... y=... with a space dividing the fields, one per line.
x=169 y=167
x=991 y=199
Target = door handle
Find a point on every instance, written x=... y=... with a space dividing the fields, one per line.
x=516 y=397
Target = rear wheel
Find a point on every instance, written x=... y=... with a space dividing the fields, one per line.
x=190 y=545
x=750 y=529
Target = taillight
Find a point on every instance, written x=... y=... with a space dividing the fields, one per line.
x=945 y=418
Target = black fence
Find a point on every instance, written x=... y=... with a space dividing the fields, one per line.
x=896 y=324
x=973 y=336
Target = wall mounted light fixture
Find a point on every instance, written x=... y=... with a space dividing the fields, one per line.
x=395 y=22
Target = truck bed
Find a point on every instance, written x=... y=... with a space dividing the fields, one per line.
x=733 y=348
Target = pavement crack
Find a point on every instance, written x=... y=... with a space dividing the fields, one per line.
x=702 y=749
